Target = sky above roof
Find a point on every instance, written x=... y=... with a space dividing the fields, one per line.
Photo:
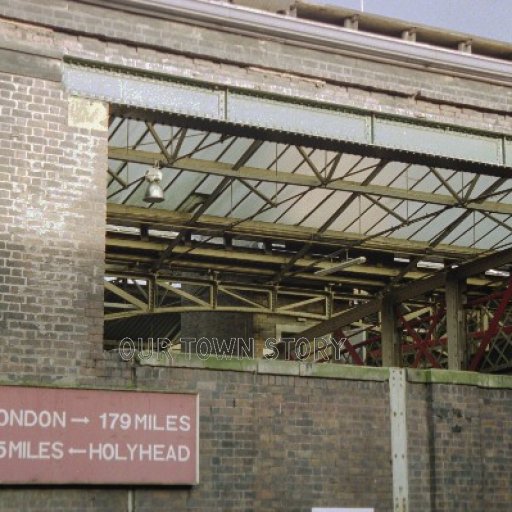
x=485 y=18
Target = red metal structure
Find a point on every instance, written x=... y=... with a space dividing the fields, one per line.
x=424 y=339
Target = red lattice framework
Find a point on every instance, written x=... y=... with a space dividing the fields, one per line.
x=424 y=338
x=489 y=323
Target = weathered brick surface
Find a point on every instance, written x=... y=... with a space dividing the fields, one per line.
x=496 y=449
x=459 y=448
x=52 y=218
x=33 y=499
x=271 y=66
x=218 y=329
x=267 y=442
x=281 y=443
x=421 y=459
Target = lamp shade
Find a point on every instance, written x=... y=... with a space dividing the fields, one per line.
x=154 y=193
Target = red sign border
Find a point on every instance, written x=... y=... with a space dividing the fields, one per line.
x=108 y=484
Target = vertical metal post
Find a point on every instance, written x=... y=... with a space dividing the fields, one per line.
x=214 y=290
x=273 y=298
x=152 y=293
x=390 y=338
x=399 y=454
x=329 y=301
x=131 y=501
x=456 y=323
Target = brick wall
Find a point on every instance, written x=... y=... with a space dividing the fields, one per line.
x=52 y=218
x=459 y=448
x=267 y=442
x=275 y=442
x=271 y=440
x=271 y=66
x=216 y=327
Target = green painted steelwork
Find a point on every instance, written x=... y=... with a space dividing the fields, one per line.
x=402 y=138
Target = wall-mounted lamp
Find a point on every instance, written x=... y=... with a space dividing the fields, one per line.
x=154 y=192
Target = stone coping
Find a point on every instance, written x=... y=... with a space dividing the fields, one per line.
x=279 y=368
x=328 y=370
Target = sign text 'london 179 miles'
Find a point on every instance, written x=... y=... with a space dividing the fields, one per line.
x=55 y=436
